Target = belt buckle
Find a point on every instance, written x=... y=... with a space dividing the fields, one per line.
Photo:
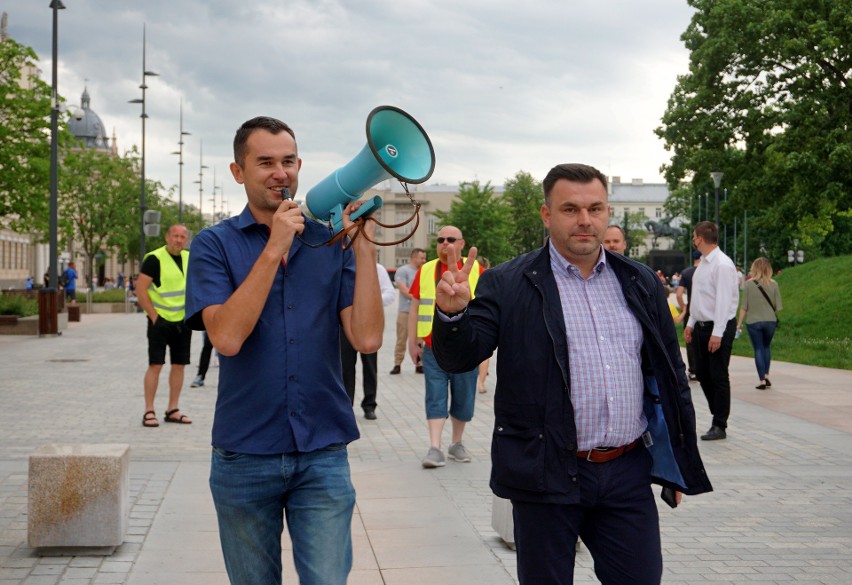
x=596 y=449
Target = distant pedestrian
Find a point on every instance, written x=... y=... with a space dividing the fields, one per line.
x=712 y=324
x=69 y=283
x=615 y=240
x=203 y=362
x=29 y=283
x=369 y=361
x=403 y=278
x=759 y=307
x=685 y=286
x=161 y=292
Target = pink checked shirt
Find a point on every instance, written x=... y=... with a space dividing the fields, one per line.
x=604 y=355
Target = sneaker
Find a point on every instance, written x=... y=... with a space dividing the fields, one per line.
x=199 y=381
x=434 y=458
x=370 y=414
x=459 y=453
x=396 y=370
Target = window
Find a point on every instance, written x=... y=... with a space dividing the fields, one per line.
x=659 y=212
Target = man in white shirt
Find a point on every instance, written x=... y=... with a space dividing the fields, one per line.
x=712 y=324
x=369 y=361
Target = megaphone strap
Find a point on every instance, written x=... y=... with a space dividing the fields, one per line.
x=356 y=228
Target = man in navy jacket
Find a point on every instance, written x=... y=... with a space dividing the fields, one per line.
x=592 y=404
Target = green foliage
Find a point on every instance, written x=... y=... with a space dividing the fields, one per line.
x=24 y=139
x=99 y=200
x=18 y=305
x=483 y=218
x=116 y=295
x=767 y=101
x=523 y=195
x=815 y=316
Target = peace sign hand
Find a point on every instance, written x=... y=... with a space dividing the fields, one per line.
x=453 y=291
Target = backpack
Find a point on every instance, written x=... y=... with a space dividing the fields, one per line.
x=63 y=279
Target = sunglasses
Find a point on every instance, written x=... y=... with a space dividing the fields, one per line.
x=451 y=240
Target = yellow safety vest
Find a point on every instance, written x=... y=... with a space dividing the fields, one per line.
x=169 y=298
x=426 y=309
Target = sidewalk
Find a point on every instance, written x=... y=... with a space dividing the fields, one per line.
x=781 y=512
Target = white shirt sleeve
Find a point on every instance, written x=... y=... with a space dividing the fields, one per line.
x=386 y=286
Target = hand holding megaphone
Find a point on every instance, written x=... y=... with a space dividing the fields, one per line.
x=397 y=146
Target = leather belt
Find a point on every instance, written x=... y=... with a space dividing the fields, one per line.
x=704 y=323
x=606 y=454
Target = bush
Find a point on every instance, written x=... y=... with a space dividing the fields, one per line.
x=115 y=295
x=18 y=305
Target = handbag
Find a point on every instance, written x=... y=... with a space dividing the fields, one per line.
x=766 y=296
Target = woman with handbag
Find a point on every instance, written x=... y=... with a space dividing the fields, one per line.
x=760 y=304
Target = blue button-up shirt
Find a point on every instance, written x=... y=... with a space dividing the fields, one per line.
x=604 y=354
x=283 y=392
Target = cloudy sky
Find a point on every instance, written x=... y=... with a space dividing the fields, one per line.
x=499 y=86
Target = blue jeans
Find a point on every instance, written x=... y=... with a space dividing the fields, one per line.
x=760 y=334
x=462 y=390
x=252 y=495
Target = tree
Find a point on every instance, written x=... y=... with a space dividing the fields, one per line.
x=24 y=139
x=524 y=197
x=99 y=200
x=767 y=101
x=483 y=218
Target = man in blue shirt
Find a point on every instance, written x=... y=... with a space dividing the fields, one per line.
x=70 y=286
x=273 y=308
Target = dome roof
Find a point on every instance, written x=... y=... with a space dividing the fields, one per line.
x=86 y=126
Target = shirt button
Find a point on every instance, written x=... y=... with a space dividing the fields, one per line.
x=601 y=337
x=290 y=306
x=293 y=379
x=292 y=413
x=294 y=341
x=607 y=366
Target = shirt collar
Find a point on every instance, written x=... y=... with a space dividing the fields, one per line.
x=558 y=261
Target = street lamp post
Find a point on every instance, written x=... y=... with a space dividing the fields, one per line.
x=49 y=307
x=179 y=152
x=200 y=181
x=717 y=180
x=144 y=116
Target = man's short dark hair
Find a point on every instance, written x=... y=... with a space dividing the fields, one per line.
x=416 y=251
x=575 y=172
x=619 y=228
x=707 y=231
x=271 y=125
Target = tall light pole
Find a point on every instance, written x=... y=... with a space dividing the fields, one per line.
x=48 y=318
x=213 y=198
x=717 y=180
x=142 y=204
x=200 y=181
x=179 y=152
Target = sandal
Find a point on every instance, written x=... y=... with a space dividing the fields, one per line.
x=150 y=421
x=179 y=420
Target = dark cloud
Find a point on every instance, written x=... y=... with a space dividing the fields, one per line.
x=499 y=86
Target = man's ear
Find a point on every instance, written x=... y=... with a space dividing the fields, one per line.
x=237 y=171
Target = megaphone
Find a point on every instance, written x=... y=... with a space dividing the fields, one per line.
x=397 y=146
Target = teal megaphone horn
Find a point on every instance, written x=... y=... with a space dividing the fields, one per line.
x=397 y=146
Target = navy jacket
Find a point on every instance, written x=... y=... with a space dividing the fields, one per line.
x=534 y=442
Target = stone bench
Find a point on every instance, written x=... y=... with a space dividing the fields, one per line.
x=79 y=495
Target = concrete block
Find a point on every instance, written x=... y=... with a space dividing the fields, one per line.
x=79 y=495
x=501 y=520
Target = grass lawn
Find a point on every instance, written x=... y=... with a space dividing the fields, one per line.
x=815 y=319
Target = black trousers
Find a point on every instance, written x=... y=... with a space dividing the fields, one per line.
x=204 y=360
x=712 y=369
x=616 y=518
x=369 y=368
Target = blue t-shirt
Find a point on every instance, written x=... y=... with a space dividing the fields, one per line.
x=283 y=392
x=71 y=275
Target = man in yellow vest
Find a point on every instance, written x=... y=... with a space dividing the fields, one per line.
x=161 y=290
x=462 y=387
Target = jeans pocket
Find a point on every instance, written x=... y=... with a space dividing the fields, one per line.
x=226 y=455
